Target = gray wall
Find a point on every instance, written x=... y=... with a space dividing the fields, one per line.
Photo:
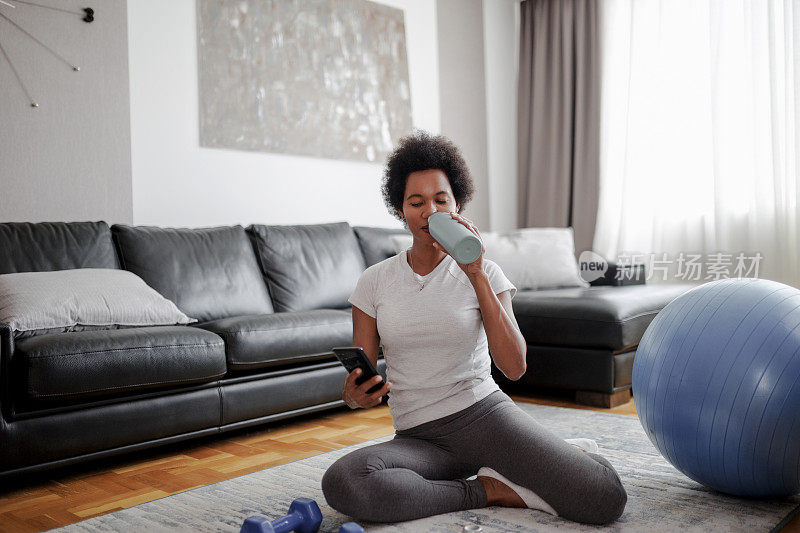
x=70 y=158
x=500 y=38
x=462 y=93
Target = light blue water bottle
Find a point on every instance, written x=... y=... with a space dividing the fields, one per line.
x=455 y=237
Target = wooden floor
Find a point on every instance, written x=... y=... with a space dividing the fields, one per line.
x=69 y=495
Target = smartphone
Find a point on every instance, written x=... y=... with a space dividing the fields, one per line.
x=353 y=357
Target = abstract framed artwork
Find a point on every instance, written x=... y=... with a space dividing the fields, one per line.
x=320 y=78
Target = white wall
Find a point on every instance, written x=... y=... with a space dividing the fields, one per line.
x=177 y=183
x=478 y=89
x=462 y=89
x=501 y=55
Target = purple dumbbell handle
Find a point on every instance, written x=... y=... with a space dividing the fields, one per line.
x=287 y=523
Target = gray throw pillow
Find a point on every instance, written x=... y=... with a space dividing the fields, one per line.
x=84 y=298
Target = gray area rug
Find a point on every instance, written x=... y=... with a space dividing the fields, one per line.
x=659 y=497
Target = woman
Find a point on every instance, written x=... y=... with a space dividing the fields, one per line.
x=437 y=320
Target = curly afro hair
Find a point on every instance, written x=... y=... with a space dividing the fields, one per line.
x=423 y=151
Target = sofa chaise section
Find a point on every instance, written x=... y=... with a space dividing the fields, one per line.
x=584 y=339
x=606 y=317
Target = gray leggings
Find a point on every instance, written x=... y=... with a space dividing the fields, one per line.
x=423 y=470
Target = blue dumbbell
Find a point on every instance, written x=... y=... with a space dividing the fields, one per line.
x=304 y=517
x=351 y=527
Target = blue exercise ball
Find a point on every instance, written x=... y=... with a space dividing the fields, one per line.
x=716 y=384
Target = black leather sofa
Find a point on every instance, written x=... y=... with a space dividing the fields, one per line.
x=271 y=301
x=585 y=339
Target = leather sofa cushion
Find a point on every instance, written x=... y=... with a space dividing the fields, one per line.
x=208 y=273
x=309 y=267
x=596 y=317
x=376 y=243
x=48 y=246
x=106 y=363
x=282 y=338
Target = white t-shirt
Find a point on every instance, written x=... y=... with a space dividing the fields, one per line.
x=434 y=343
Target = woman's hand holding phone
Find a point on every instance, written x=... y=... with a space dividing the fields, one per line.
x=356 y=396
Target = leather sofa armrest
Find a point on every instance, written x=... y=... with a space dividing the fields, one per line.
x=6 y=352
x=622 y=275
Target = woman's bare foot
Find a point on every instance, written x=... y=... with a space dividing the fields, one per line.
x=500 y=494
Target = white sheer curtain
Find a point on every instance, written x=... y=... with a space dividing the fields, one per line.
x=700 y=126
